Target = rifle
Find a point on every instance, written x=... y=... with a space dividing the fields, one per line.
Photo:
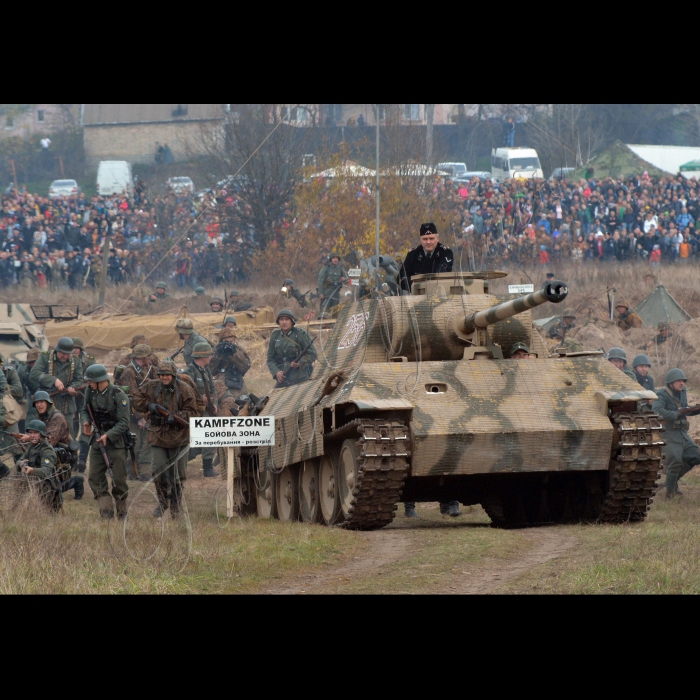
x=176 y=353
x=165 y=413
x=690 y=411
x=96 y=433
x=298 y=359
x=64 y=392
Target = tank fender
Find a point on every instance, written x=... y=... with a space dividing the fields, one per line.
x=605 y=399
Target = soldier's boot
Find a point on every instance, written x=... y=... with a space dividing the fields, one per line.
x=79 y=487
x=104 y=503
x=175 y=501
x=208 y=468
x=162 y=493
x=671 y=486
x=450 y=508
x=121 y=508
x=82 y=458
x=4 y=471
x=409 y=510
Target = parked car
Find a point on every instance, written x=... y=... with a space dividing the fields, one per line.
x=114 y=177
x=469 y=176
x=180 y=184
x=63 y=188
x=562 y=174
x=230 y=184
x=453 y=169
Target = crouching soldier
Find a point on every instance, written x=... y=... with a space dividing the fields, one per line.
x=168 y=403
x=38 y=465
x=107 y=409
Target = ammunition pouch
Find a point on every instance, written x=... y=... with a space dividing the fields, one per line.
x=233 y=378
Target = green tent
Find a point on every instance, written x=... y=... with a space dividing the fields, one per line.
x=692 y=167
x=660 y=306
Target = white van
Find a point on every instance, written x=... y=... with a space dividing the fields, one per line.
x=515 y=163
x=114 y=177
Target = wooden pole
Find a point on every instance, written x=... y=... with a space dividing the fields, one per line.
x=231 y=461
x=103 y=280
x=14 y=174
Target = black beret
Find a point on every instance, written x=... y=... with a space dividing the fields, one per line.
x=425 y=229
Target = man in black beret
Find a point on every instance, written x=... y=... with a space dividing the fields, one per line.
x=430 y=256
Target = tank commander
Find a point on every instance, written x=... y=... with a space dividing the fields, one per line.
x=216 y=305
x=291 y=291
x=519 y=351
x=159 y=293
x=663 y=335
x=330 y=279
x=236 y=304
x=286 y=344
x=627 y=319
x=61 y=372
x=641 y=366
x=682 y=454
x=231 y=362
x=430 y=256
x=618 y=358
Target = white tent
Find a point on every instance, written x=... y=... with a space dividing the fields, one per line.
x=666 y=158
x=348 y=170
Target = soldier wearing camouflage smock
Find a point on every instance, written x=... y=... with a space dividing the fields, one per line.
x=126 y=359
x=135 y=375
x=618 y=358
x=13 y=389
x=198 y=370
x=627 y=319
x=111 y=411
x=682 y=454
x=286 y=344
x=330 y=279
x=58 y=435
x=38 y=465
x=60 y=371
x=185 y=330
x=169 y=441
x=230 y=362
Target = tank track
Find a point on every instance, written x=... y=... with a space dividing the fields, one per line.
x=382 y=470
x=635 y=471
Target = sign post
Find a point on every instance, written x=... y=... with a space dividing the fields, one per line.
x=232 y=432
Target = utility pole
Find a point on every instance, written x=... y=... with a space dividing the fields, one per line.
x=14 y=173
x=430 y=118
x=103 y=280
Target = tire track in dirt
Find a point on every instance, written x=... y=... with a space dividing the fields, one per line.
x=489 y=575
x=386 y=547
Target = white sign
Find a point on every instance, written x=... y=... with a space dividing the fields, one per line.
x=355 y=272
x=521 y=288
x=243 y=431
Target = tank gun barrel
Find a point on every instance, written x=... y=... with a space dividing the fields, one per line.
x=554 y=292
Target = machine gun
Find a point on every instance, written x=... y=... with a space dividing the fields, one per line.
x=163 y=412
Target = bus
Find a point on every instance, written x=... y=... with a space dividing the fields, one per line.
x=515 y=163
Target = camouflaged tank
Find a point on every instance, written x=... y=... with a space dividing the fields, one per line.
x=413 y=399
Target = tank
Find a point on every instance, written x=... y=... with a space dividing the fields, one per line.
x=414 y=398
x=19 y=332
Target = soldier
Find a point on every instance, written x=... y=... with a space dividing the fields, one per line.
x=14 y=389
x=216 y=305
x=429 y=257
x=290 y=291
x=198 y=370
x=681 y=452
x=229 y=322
x=88 y=361
x=29 y=388
x=286 y=344
x=664 y=334
x=330 y=280
x=110 y=408
x=200 y=291
x=61 y=373
x=618 y=358
x=641 y=366
x=159 y=294
x=231 y=362
x=185 y=330
x=225 y=399
x=169 y=441
x=627 y=319
x=559 y=330
x=125 y=360
x=450 y=508
x=139 y=371
x=38 y=464
x=235 y=304
x=58 y=435
x=520 y=351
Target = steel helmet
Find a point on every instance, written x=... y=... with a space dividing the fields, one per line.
x=230 y=319
x=199 y=291
x=234 y=293
x=640 y=360
x=673 y=375
x=78 y=343
x=519 y=346
x=96 y=373
x=65 y=345
x=38 y=426
x=41 y=396
x=216 y=300
x=286 y=312
x=288 y=281
x=138 y=340
x=141 y=351
x=161 y=285
x=617 y=354
x=184 y=326
x=167 y=367
x=202 y=350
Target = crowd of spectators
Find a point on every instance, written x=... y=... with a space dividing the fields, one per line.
x=635 y=219
x=58 y=242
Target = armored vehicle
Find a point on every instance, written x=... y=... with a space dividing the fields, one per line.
x=414 y=398
x=20 y=331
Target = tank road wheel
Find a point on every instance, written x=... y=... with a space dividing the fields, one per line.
x=347 y=475
x=287 y=493
x=309 y=506
x=329 y=496
x=265 y=496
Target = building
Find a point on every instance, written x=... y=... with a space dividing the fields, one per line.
x=25 y=121
x=133 y=132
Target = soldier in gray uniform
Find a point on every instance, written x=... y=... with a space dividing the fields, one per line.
x=235 y=304
x=293 y=292
x=330 y=280
x=159 y=294
x=185 y=330
x=618 y=358
x=641 y=366
x=112 y=413
x=286 y=344
x=60 y=371
x=682 y=454
x=198 y=370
